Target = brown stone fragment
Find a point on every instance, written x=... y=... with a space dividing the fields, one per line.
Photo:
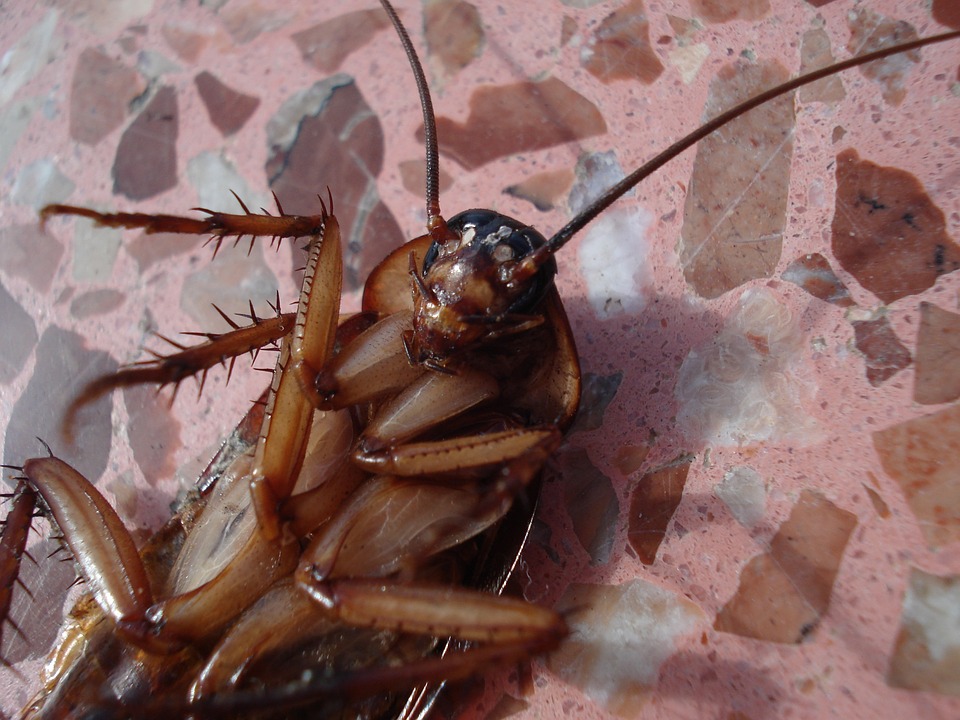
x=186 y=43
x=947 y=12
x=592 y=503
x=146 y=160
x=918 y=454
x=454 y=33
x=349 y=138
x=230 y=282
x=413 y=175
x=652 y=504
x=887 y=232
x=620 y=48
x=813 y=273
x=96 y=302
x=882 y=350
x=596 y=394
x=630 y=458
x=20 y=333
x=543 y=190
x=521 y=117
x=154 y=248
x=228 y=109
x=784 y=592
x=937 y=378
x=741 y=176
x=721 y=11
x=684 y=28
x=326 y=45
x=64 y=365
x=31 y=253
x=879 y=505
x=100 y=95
x=154 y=432
x=568 y=29
x=815 y=53
x=247 y=19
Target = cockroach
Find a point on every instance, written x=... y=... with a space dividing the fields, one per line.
x=616 y=316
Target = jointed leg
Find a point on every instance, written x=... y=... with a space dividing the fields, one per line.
x=218 y=225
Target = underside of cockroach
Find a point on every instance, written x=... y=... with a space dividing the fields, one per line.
x=418 y=515
x=348 y=549
x=352 y=517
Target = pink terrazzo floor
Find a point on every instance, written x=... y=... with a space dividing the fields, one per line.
x=771 y=531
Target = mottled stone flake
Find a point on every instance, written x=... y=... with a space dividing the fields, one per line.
x=30 y=253
x=886 y=231
x=620 y=47
x=96 y=302
x=735 y=210
x=186 y=41
x=871 y=31
x=152 y=250
x=413 y=175
x=146 y=159
x=519 y=117
x=228 y=109
x=947 y=12
x=653 y=502
x=544 y=190
x=785 y=592
x=20 y=330
x=100 y=96
x=246 y=20
x=937 y=378
x=64 y=365
x=883 y=353
x=592 y=504
x=721 y=11
x=815 y=53
x=597 y=392
x=912 y=453
x=326 y=44
x=231 y=282
x=154 y=432
x=343 y=131
x=744 y=493
x=813 y=273
x=454 y=34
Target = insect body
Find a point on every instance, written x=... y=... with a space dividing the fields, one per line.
x=584 y=313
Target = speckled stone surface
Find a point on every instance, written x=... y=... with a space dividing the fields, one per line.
x=757 y=513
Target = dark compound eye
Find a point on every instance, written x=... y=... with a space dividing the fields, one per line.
x=504 y=241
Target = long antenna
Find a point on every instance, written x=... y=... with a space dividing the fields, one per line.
x=614 y=193
x=436 y=225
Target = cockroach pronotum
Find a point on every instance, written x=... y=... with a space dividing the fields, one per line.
x=646 y=344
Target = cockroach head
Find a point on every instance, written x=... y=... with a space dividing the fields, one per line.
x=482 y=282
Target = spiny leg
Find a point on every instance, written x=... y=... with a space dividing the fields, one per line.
x=13 y=545
x=219 y=347
x=280 y=451
x=217 y=224
x=286 y=424
x=190 y=361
